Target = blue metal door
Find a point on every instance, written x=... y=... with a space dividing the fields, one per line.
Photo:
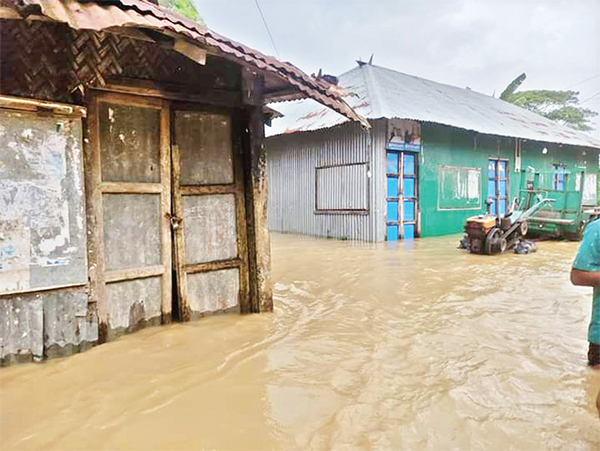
x=498 y=186
x=402 y=196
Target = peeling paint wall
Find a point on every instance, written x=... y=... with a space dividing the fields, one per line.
x=42 y=217
x=42 y=238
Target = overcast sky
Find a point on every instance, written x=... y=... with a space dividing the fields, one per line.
x=482 y=44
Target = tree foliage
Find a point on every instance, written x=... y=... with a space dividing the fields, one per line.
x=560 y=106
x=184 y=7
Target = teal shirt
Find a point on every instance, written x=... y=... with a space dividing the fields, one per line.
x=588 y=259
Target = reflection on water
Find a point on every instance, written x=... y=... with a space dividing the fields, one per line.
x=370 y=347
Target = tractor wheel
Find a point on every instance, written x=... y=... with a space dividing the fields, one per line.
x=491 y=240
x=524 y=227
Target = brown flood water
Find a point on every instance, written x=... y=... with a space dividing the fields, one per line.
x=418 y=347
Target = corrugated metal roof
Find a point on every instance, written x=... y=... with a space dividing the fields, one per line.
x=376 y=92
x=102 y=15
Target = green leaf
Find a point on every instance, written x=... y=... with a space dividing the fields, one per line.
x=560 y=106
x=183 y=7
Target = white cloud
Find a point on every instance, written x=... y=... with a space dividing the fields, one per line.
x=483 y=44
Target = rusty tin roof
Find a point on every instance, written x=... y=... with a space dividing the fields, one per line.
x=376 y=92
x=109 y=14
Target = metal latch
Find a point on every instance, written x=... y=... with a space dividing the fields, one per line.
x=175 y=221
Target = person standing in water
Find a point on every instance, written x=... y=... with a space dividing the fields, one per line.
x=586 y=272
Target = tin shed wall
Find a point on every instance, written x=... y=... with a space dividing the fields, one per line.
x=293 y=162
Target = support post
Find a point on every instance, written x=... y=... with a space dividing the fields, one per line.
x=255 y=162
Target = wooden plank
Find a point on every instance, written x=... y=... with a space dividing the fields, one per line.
x=45 y=289
x=213 y=266
x=134 y=273
x=208 y=189
x=95 y=220
x=171 y=91
x=256 y=197
x=192 y=51
x=133 y=187
x=165 y=212
x=131 y=98
x=20 y=103
x=240 y=205
x=180 y=260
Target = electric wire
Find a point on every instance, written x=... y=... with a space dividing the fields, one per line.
x=582 y=81
x=267 y=27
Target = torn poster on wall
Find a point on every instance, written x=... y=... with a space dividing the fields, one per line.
x=404 y=135
x=42 y=217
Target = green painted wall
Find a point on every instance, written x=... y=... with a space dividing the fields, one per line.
x=447 y=146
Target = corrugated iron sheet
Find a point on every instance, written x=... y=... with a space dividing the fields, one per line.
x=375 y=92
x=102 y=15
x=292 y=182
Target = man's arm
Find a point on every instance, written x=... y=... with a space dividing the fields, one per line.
x=585 y=278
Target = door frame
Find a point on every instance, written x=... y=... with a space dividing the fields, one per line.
x=236 y=188
x=497 y=181
x=96 y=188
x=400 y=198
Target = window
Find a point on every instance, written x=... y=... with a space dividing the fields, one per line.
x=498 y=186
x=342 y=188
x=459 y=188
x=558 y=178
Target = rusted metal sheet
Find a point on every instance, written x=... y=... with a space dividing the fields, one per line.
x=376 y=92
x=21 y=328
x=133 y=304
x=136 y=13
x=204 y=140
x=131 y=230
x=130 y=139
x=213 y=291
x=209 y=228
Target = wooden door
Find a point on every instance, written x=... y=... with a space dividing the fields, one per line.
x=129 y=204
x=211 y=257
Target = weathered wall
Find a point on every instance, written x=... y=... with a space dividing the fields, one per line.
x=42 y=236
x=292 y=163
x=446 y=146
x=43 y=241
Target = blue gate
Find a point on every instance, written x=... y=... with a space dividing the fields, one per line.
x=402 y=196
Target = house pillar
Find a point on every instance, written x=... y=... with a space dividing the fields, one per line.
x=259 y=245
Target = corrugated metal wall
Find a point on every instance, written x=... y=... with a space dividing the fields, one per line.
x=344 y=187
x=293 y=160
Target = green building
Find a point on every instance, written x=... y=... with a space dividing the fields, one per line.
x=435 y=155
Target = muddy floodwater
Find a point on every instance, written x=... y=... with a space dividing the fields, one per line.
x=409 y=346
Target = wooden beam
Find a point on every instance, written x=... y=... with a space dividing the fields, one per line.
x=192 y=51
x=131 y=188
x=259 y=246
x=165 y=213
x=238 y=127
x=179 y=254
x=94 y=216
x=208 y=189
x=212 y=266
x=135 y=273
x=170 y=91
x=69 y=286
x=20 y=103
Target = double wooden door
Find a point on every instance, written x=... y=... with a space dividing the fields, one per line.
x=165 y=211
